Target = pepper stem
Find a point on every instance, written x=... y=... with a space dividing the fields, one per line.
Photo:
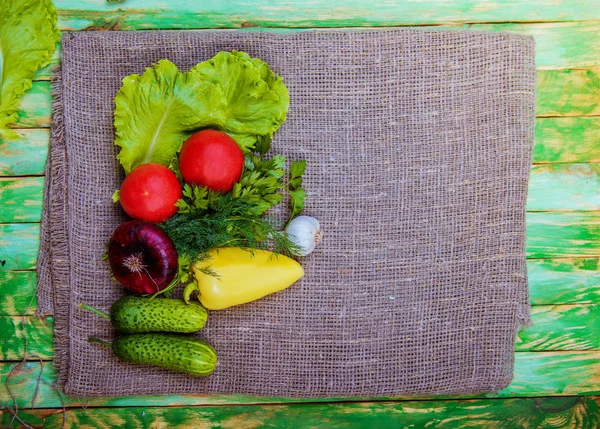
x=94 y=310
x=189 y=290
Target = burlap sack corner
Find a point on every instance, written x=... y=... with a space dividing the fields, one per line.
x=419 y=148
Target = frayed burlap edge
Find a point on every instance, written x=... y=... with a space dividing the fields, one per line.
x=53 y=271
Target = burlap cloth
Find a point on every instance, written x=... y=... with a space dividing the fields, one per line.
x=419 y=149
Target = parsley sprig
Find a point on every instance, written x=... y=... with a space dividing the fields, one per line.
x=297 y=194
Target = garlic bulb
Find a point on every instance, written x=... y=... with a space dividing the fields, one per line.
x=304 y=231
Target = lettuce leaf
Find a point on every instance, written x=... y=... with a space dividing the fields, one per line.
x=257 y=99
x=28 y=37
x=156 y=112
x=232 y=92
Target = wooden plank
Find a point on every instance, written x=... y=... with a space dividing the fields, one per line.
x=557 y=44
x=581 y=81
x=559 y=92
x=140 y=14
x=555 y=373
x=17 y=292
x=19 y=245
x=556 y=234
x=21 y=199
x=25 y=155
x=38 y=337
x=561 y=327
x=536 y=374
x=569 y=411
x=568 y=92
x=564 y=281
x=563 y=187
x=573 y=139
x=36 y=107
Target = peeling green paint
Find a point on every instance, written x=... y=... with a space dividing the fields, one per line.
x=556 y=234
x=564 y=281
x=561 y=327
x=17 y=292
x=568 y=93
x=36 y=107
x=536 y=374
x=21 y=199
x=563 y=140
x=19 y=245
x=489 y=413
x=39 y=333
x=25 y=155
x=564 y=187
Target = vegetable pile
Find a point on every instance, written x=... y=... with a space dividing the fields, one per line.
x=200 y=181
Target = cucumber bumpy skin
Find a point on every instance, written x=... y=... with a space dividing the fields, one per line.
x=177 y=352
x=135 y=314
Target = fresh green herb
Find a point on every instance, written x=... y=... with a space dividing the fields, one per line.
x=263 y=144
x=194 y=199
x=28 y=37
x=230 y=224
x=258 y=186
x=297 y=194
x=116 y=196
x=260 y=182
x=184 y=268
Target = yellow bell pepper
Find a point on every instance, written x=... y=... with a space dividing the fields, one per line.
x=242 y=276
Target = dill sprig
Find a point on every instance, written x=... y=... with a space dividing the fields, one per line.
x=229 y=223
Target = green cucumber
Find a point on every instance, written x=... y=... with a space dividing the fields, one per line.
x=177 y=352
x=135 y=314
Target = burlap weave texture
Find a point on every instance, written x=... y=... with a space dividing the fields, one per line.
x=419 y=149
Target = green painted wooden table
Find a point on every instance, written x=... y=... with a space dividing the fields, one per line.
x=557 y=369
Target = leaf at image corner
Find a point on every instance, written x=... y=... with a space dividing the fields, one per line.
x=156 y=111
x=28 y=37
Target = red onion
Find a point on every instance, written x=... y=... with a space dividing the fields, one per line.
x=142 y=257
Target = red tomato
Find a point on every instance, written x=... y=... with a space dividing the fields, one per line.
x=211 y=158
x=150 y=192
